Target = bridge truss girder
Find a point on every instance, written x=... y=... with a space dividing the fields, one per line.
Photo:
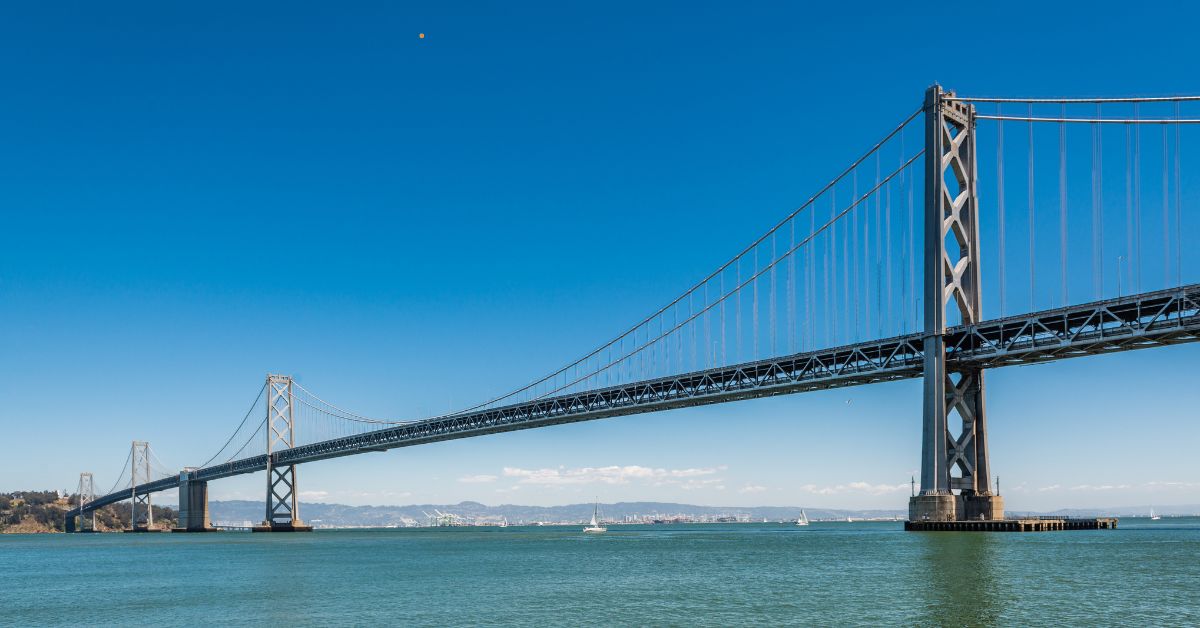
x=1154 y=319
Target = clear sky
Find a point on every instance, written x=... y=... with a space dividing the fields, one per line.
x=197 y=194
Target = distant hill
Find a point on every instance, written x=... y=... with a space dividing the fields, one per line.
x=336 y=515
x=342 y=515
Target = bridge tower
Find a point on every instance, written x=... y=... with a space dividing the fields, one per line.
x=140 y=519
x=283 y=511
x=952 y=462
x=87 y=493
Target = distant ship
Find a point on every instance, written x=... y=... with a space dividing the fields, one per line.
x=1154 y=517
x=803 y=520
x=595 y=527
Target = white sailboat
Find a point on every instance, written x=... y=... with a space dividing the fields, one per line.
x=803 y=520
x=1154 y=517
x=595 y=527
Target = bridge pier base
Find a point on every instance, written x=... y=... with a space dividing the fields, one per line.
x=980 y=507
x=949 y=507
x=282 y=527
x=193 y=505
x=933 y=508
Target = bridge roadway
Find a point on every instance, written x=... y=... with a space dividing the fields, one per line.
x=1151 y=319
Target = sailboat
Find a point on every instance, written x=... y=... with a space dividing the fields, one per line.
x=803 y=520
x=595 y=527
x=1154 y=517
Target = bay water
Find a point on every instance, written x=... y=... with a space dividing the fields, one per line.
x=861 y=573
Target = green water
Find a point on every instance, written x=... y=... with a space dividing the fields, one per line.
x=1145 y=573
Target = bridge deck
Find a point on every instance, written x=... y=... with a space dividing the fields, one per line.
x=1140 y=321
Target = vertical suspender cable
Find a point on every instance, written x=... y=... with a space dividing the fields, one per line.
x=1100 y=200
x=811 y=277
x=852 y=290
x=887 y=233
x=708 y=341
x=754 y=308
x=1000 y=202
x=774 y=289
x=831 y=276
x=737 y=315
x=878 y=249
x=873 y=259
x=1178 y=206
x=1095 y=217
x=1062 y=204
x=1166 y=211
x=692 y=325
x=791 y=290
x=846 y=260
x=912 y=258
x=724 y=358
x=1137 y=197
x=1032 y=219
x=1128 y=203
x=852 y=250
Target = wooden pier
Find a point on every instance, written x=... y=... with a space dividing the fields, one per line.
x=1033 y=524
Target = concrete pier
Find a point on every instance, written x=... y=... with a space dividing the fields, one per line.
x=951 y=507
x=193 y=505
x=1048 y=524
x=282 y=527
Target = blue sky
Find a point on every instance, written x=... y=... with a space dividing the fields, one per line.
x=197 y=195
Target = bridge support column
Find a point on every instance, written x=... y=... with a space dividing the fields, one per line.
x=87 y=493
x=949 y=461
x=193 y=505
x=141 y=506
x=283 y=507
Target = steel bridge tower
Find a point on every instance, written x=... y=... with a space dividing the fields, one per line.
x=950 y=461
x=87 y=493
x=283 y=508
x=139 y=473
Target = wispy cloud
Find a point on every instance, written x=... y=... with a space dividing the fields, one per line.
x=687 y=478
x=313 y=494
x=1156 y=485
x=752 y=488
x=478 y=479
x=1171 y=485
x=856 y=487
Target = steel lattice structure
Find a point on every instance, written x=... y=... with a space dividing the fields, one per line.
x=1153 y=319
x=283 y=508
x=139 y=467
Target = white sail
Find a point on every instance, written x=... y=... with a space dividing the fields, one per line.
x=595 y=527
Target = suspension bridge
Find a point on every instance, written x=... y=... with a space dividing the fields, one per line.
x=1087 y=256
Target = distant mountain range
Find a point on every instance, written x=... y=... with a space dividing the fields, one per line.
x=341 y=515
